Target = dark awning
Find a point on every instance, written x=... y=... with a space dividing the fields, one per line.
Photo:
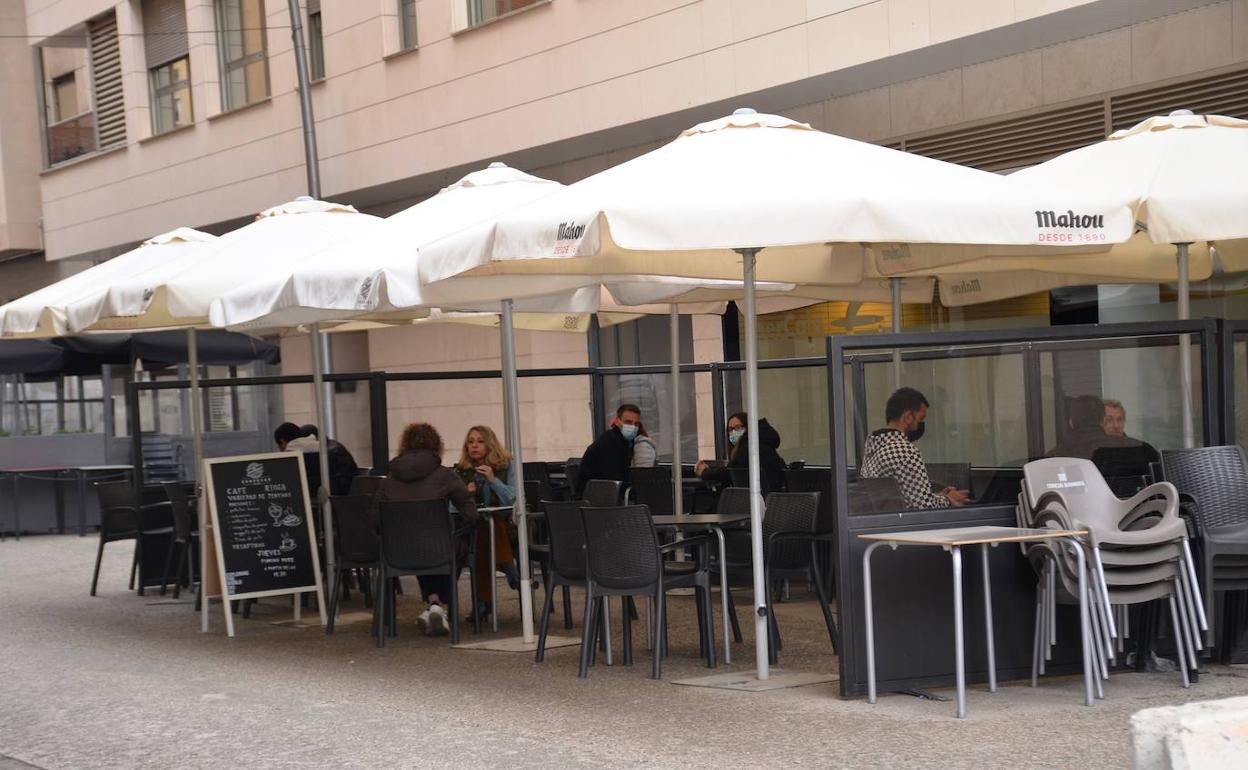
x=85 y=355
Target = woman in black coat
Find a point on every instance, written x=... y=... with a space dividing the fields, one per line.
x=771 y=464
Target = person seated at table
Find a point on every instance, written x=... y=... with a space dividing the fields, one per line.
x=1084 y=429
x=611 y=453
x=1122 y=455
x=485 y=467
x=303 y=438
x=771 y=464
x=890 y=452
x=417 y=473
x=645 y=453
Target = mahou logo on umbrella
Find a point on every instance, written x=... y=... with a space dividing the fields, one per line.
x=1069 y=227
x=567 y=237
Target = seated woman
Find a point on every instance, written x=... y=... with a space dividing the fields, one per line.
x=771 y=464
x=485 y=466
x=417 y=474
x=645 y=453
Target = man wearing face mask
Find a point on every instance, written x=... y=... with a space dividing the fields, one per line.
x=890 y=452
x=611 y=454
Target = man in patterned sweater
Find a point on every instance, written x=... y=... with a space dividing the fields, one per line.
x=890 y=452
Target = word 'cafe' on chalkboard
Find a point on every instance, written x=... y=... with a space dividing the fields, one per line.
x=262 y=528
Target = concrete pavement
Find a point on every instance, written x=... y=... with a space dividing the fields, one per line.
x=120 y=681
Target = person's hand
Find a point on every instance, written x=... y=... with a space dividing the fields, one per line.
x=472 y=487
x=957 y=497
x=485 y=471
x=701 y=466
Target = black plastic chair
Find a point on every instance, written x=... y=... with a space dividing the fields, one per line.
x=566 y=565
x=602 y=493
x=420 y=537
x=790 y=552
x=571 y=473
x=1213 y=488
x=119 y=520
x=624 y=558
x=185 y=536
x=653 y=487
x=818 y=480
x=357 y=546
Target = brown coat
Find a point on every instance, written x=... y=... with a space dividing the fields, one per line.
x=419 y=475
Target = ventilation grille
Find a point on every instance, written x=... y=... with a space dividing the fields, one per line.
x=1019 y=142
x=1225 y=94
x=110 y=109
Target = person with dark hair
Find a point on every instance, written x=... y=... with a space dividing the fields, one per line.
x=303 y=438
x=417 y=473
x=611 y=454
x=890 y=452
x=770 y=464
x=1084 y=431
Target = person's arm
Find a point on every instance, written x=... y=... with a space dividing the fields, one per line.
x=502 y=488
x=460 y=497
x=916 y=487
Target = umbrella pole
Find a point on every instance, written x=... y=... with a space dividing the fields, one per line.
x=322 y=439
x=678 y=501
x=761 y=621
x=1185 y=345
x=511 y=418
x=894 y=284
x=197 y=457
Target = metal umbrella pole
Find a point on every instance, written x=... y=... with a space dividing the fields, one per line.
x=761 y=607
x=197 y=456
x=678 y=501
x=1185 y=346
x=511 y=419
x=894 y=284
x=322 y=440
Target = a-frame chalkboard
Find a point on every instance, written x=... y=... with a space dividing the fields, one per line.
x=262 y=528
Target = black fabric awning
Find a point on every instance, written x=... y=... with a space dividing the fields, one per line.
x=85 y=355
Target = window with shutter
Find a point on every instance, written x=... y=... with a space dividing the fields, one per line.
x=110 y=109
x=316 y=41
x=168 y=64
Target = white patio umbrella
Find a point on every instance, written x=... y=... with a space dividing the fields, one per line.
x=374 y=279
x=772 y=194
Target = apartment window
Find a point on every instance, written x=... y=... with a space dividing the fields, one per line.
x=407 y=24
x=68 y=121
x=316 y=41
x=481 y=11
x=241 y=46
x=168 y=64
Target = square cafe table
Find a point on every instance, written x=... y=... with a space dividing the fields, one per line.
x=716 y=523
x=952 y=540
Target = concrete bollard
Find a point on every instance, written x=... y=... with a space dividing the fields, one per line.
x=1195 y=736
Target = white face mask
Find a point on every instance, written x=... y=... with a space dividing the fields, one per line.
x=629 y=432
x=734 y=436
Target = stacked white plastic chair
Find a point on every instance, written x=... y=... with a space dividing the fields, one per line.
x=1136 y=551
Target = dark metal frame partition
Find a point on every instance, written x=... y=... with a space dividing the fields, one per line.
x=1228 y=332
x=1012 y=586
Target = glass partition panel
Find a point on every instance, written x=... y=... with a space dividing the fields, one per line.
x=794 y=400
x=1240 y=383
x=651 y=393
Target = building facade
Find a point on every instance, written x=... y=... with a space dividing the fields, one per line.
x=133 y=117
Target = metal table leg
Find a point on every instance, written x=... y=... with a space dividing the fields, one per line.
x=723 y=593
x=992 y=647
x=81 y=481
x=17 y=506
x=870 y=618
x=959 y=652
x=493 y=577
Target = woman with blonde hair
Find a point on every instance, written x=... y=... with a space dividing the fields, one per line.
x=485 y=466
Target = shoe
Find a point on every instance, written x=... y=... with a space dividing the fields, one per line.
x=437 y=621
x=513 y=577
x=483 y=612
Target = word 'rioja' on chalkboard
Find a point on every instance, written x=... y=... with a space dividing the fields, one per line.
x=261 y=511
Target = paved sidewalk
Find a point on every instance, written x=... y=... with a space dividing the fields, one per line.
x=119 y=681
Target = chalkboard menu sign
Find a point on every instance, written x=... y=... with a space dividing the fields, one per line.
x=262 y=525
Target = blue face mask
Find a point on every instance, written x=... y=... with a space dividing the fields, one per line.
x=629 y=432
x=734 y=436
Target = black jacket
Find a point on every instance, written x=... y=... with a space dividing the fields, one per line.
x=771 y=464
x=607 y=458
x=420 y=475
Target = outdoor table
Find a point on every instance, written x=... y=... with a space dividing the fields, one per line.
x=952 y=541
x=716 y=523
x=489 y=512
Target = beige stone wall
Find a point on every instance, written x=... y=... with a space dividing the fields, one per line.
x=19 y=137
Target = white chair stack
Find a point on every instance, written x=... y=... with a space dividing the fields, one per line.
x=1136 y=551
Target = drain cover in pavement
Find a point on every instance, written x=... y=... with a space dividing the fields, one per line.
x=743 y=680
